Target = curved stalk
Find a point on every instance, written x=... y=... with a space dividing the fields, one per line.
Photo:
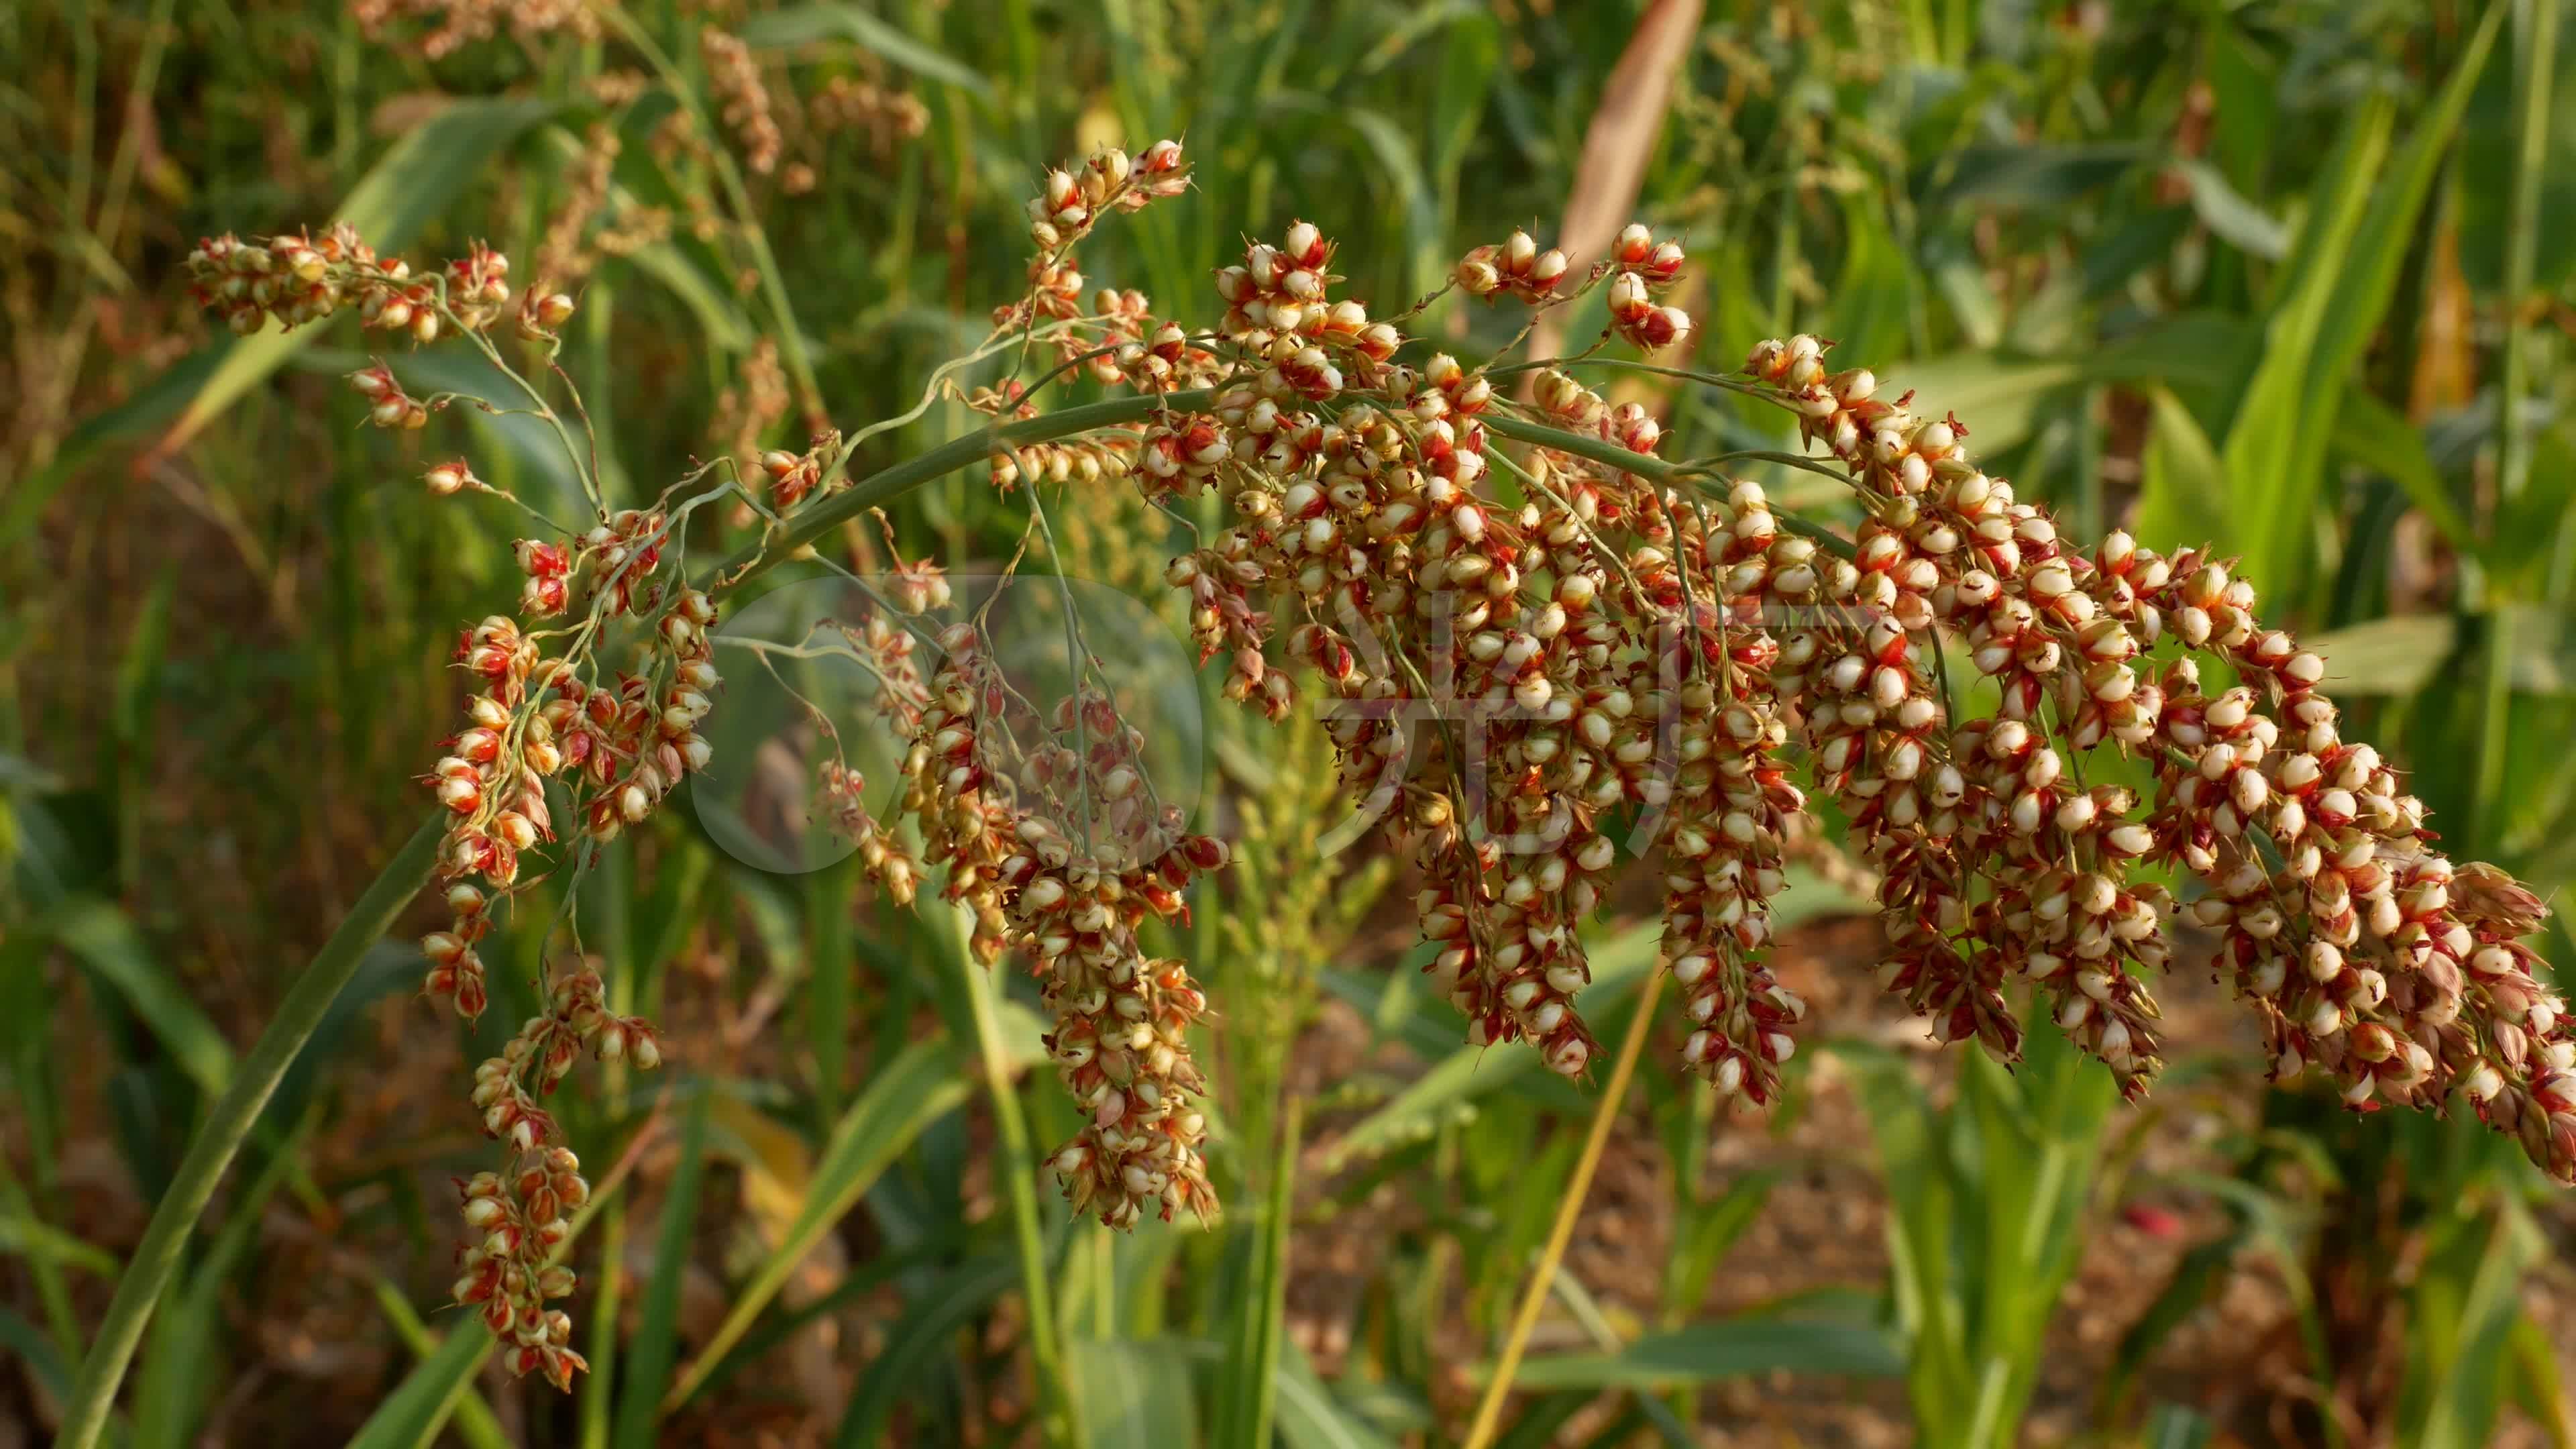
x=827 y=514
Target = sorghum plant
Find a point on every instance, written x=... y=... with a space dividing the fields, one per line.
x=1542 y=648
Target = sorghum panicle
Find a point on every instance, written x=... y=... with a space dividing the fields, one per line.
x=1508 y=684
x=1618 y=642
x=541 y=708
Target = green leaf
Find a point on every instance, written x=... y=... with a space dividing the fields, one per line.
x=43 y=1360
x=2187 y=350
x=925 y=1082
x=1472 y=1072
x=2460 y=1318
x=2270 y=497
x=2182 y=486
x=2370 y=434
x=805 y=24
x=211 y=1151
x=2489 y=153
x=424 y=172
x=927 y=1327
x=1996 y=394
x=2200 y=1274
x=656 y=1341
x=1311 y=1417
x=1133 y=1394
x=106 y=942
x=1247 y=1385
x=2172 y=1426
x=2241 y=79
x=2030 y=175
x=1869 y=303
x=28 y=1238
x=411 y=1416
x=2397 y=655
x=1706 y=1232
x=475 y=1422
x=2343 y=279
x=2538 y=1386
x=150 y=408
x=2403 y=653
x=178 y=1374
x=524 y=441
x=1727 y=1349
x=1392 y=147
x=138 y=673
x=2230 y=216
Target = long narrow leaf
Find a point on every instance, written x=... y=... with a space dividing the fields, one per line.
x=106 y=942
x=655 y=1344
x=415 y=181
x=157 y=1256
x=904 y=1096
x=1708 y=1352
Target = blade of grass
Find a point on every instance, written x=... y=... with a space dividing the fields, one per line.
x=2459 y=1326
x=27 y=1238
x=1731 y=1348
x=2270 y=500
x=2373 y=434
x=415 y=181
x=935 y=1317
x=411 y=1416
x=105 y=941
x=1248 y=1385
x=655 y=1343
x=806 y=24
x=2537 y=1383
x=1471 y=1072
x=171 y=1395
x=2352 y=277
x=829 y=963
x=475 y=1422
x=45 y=1365
x=193 y=1186
x=904 y=1096
x=1132 y=1397
x=1311 y=1418
x=1027 y=1234
x=2536 y=29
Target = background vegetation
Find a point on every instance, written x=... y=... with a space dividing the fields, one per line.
x=2292 y=275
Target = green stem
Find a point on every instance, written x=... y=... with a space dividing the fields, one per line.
x=1665 y=471
x=1054 y=1391
x=166 y=1239
x=826 y=515
x=2537 y=25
